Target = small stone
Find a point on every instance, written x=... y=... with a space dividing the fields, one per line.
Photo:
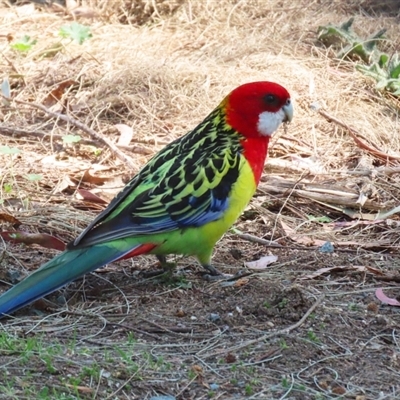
x=236 y=253
x=214 y=317
x=180 y=313
x=380 y=320
x=61 y=300
x=13 y=276
x=214 y=386
x=327 y=247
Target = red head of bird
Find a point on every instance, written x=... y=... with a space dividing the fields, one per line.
x=255 y=110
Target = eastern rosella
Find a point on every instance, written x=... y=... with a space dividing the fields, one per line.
x=182 y=201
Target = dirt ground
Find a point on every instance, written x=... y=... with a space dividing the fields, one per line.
x=309 y=325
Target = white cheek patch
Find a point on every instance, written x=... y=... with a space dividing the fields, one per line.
x=269 y=122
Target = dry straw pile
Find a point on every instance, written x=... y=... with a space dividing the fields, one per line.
x=161 y=66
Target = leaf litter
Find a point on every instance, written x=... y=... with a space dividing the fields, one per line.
x=306 y=326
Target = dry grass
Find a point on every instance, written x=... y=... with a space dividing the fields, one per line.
x=161 y=72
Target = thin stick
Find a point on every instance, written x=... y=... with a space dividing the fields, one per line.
x=371 y=148
x=48 y=136
x=272 y=244
x=91 y=132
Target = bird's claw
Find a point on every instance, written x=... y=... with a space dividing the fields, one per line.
x=224 y=277
x=167 y=269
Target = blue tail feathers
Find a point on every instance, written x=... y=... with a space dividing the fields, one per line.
x=62 y=269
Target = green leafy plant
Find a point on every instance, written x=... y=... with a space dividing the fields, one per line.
x=266 y=304
x=75 y=31
x=23 y=44
x=248 y=389
x=347 y=43
x=9 y=150
x=353 y=307
x=68 y=139
x=386 y=72
x=34 y=177
x=385 y=69
x=323 y=219
x=7 y=187
x=285 y=382
x=283 y=345
x=312 y=336
x=283 y=303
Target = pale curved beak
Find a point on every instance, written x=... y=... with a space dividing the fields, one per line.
x=288 y=110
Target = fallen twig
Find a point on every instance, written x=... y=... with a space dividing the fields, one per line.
x=91 y=132
x=49 y=136
x=356 y=136
x=255 y=239
x=339 y=196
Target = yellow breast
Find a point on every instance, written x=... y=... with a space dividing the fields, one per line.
x=242 y=192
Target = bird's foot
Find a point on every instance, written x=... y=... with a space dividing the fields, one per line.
x=215 y=275
x=166 y=270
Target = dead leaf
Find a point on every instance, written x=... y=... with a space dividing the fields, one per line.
x=385 y=299
x=95 y=180
x=126 y=134
x=306 y=240
x=64 y=184
x=83 y=389
x=42 y=239
x=374 y=270
x=110 y=189
x=56 y=94
x=86 y=195
x=230 y=358
x=10 y=219
x=262 y=263
x=373 y=307
x=197 y=369
x=340 y=390
x=241 y=282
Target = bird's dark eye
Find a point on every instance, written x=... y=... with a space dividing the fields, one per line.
x=270 y=99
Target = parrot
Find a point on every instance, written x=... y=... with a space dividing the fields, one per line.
x=182 y=201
